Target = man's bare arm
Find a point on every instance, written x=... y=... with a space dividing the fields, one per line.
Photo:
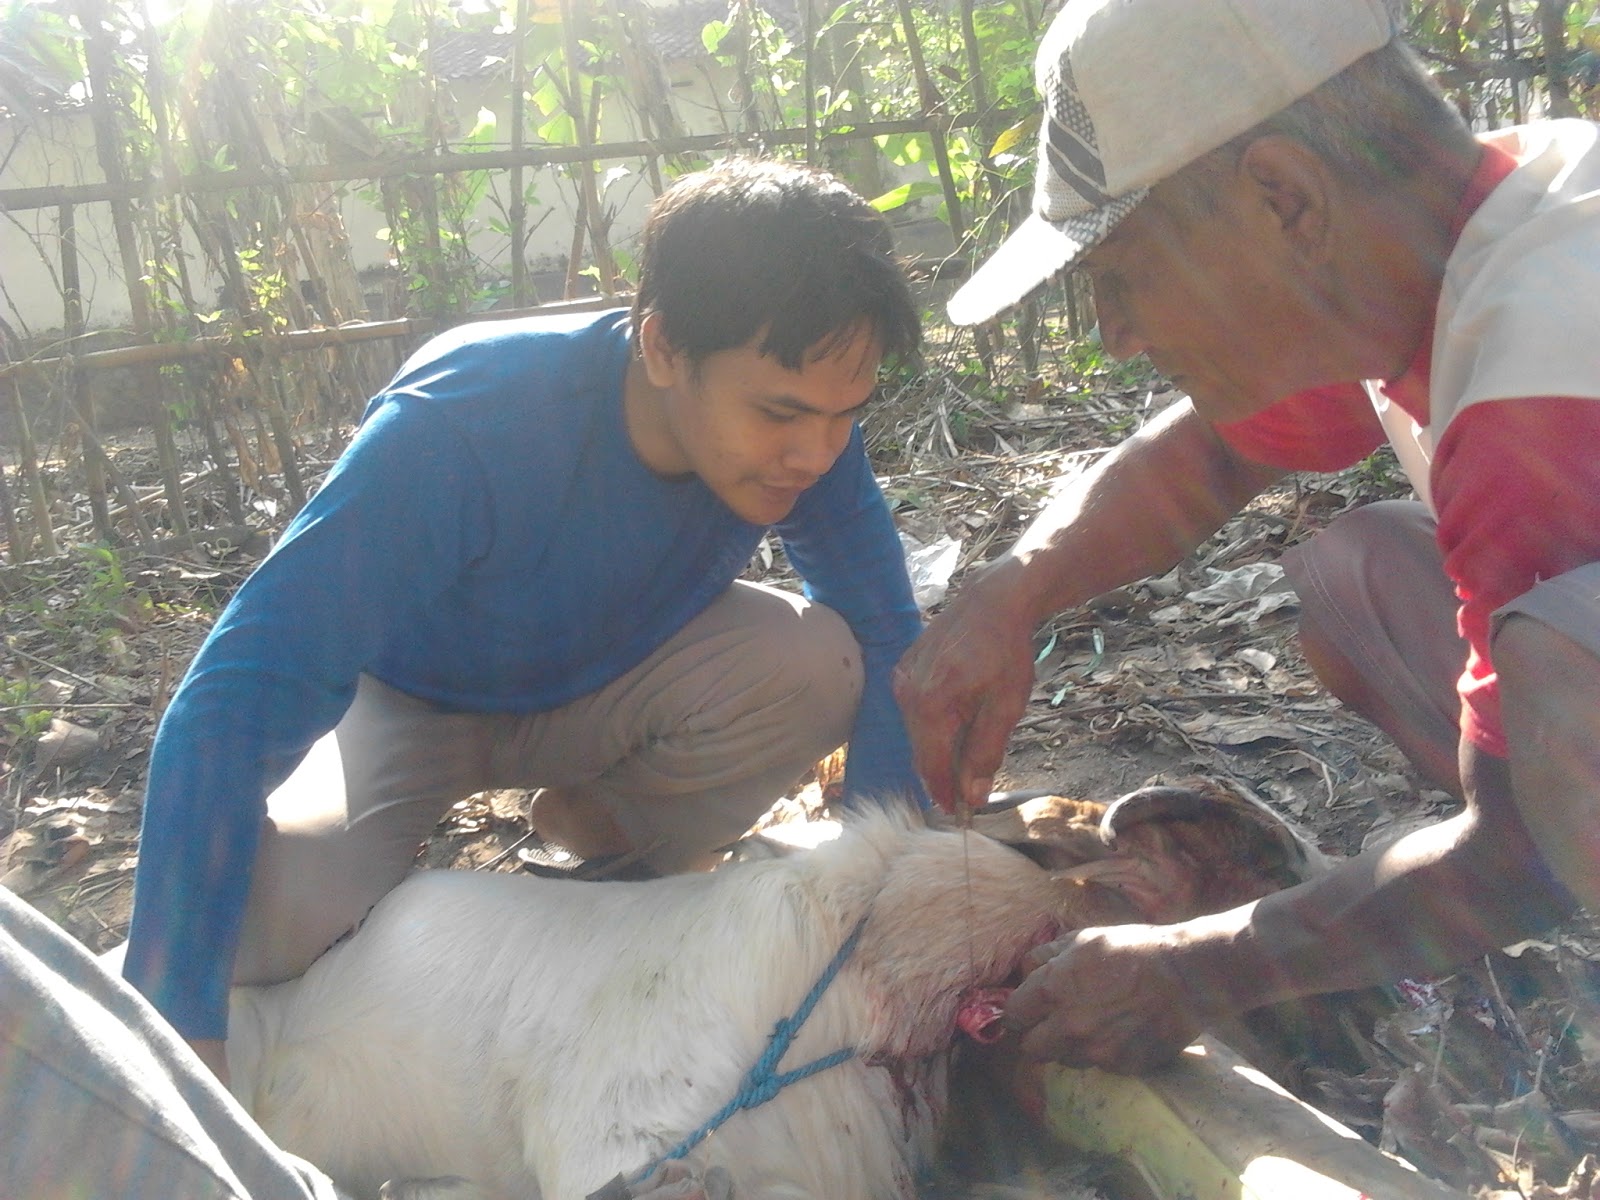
x=1130 y=998
x=964 y=684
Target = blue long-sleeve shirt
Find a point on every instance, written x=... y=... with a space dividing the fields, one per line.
x=489 y=541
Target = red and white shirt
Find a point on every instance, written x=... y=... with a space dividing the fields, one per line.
x=1497 y=420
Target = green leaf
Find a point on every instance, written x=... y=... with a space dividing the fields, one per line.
x=844 y=10
x=711 y=35
x=483 y=131
x=1024 y=130
x=548 y=98
x=560 y=129
x=904 y=194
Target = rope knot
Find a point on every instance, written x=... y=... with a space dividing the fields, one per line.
x=759 y=1093
x=763 y=1082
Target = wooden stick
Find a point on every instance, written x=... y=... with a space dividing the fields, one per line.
x=346 y=171
x=295 y=341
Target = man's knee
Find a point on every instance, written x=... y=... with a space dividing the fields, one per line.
x=1567 y=604
x=823 y=664
x=1355 y=543
x=802 y=659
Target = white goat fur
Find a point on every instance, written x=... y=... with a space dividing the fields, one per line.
x=538 y=1037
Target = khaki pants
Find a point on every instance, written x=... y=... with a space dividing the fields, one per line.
x=680 y=755
x=1379 y=618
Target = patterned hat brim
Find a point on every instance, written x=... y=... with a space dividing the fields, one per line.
x=1036 y=251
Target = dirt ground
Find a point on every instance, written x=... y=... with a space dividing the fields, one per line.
x=1489 y=1079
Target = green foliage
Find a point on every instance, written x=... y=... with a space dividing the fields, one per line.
x=1380 y=475
x=108 y=584
x=22 y=718
x=1087 y=361
x=265 y=81
x=38 y=56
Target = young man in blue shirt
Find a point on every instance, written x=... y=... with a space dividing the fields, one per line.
x=523 y=573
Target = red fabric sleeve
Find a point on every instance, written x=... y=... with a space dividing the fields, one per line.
x=1320 y=429
x=1517 y=486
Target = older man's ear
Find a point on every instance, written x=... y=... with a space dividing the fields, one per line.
x=1294 y=190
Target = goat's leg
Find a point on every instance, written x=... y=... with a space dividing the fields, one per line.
x=670 y=1181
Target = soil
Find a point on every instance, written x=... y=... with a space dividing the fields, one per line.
x=1489 y=1079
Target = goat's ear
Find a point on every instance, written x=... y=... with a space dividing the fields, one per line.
x=1105 y=892
x=1209 y=822
x=1200 y=847
x=1055 y=831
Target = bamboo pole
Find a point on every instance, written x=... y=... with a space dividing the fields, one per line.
x=259 y=356
x=978 y=90
x=426 y=186
x=1511 y=54
x=865 y=164
x=932 y=106
x=588 y=194
x=32 y=478
x=78 y=380
x=744 y=94
x=339 y=375
x=200 y=392
x=808 y=32
x=969 y=40
x=1553 y=33
x=108 y=148
x=1213 y=1127
x=599 y=226
x=657 y=121
x=292 y=341
x=357 y=171
x=226 y=478
x=16 y=541
x=92 y=446
x=518 y=214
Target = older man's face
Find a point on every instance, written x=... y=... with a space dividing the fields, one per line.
x=1217 y=299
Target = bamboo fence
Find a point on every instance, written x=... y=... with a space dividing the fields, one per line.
x=249 y=391
x=305 y=358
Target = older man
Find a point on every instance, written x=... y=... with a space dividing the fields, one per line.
x=1277 y=207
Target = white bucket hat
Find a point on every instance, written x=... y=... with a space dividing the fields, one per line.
x=1135 y=90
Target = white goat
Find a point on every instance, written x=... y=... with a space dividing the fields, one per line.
x=539 y=1037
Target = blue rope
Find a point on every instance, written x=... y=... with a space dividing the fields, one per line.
x=764 y=1081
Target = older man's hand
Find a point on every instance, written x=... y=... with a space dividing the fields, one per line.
x=1114 y=998
x=963 y=686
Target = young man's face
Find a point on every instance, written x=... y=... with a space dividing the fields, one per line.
x=756 y=433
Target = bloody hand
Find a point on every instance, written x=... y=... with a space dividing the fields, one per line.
x=1112 y=998
x=963 y=686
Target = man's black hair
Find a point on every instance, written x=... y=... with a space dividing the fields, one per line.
x=752 y=246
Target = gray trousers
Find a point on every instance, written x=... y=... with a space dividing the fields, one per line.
x=676 y=758
x=1373 y=587
x=100 y=1098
